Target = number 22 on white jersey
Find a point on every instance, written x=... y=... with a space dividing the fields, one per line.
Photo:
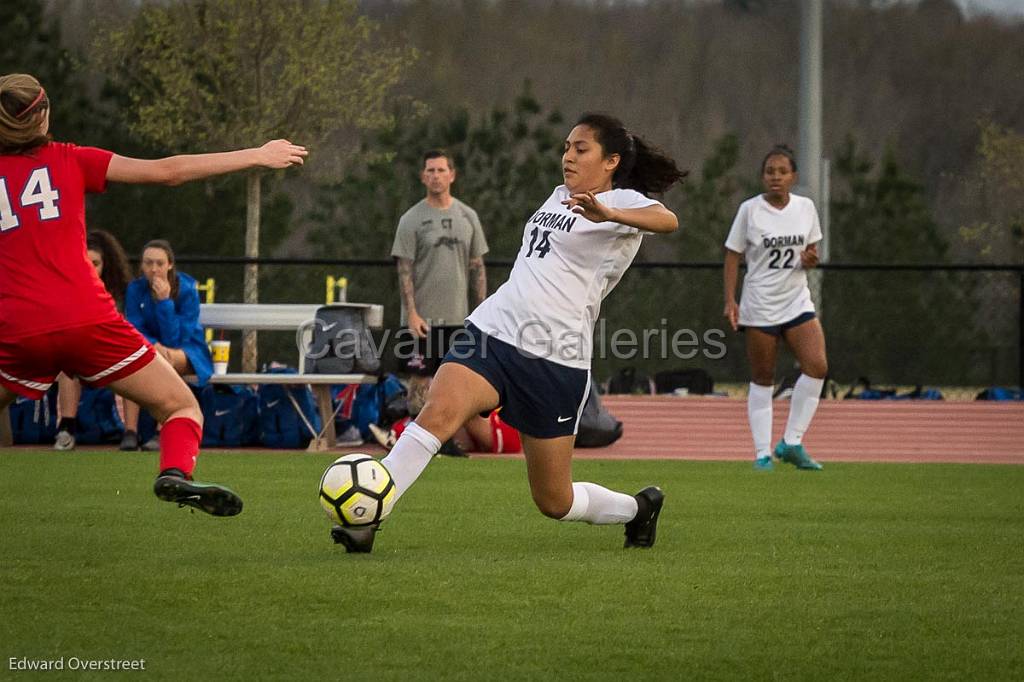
x=37 y=190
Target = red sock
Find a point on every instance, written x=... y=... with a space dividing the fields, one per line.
x=179 y=444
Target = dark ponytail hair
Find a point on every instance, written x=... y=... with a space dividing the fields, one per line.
x=642 y=167
x=172 y=275
x=116 y=272
x=780 y=150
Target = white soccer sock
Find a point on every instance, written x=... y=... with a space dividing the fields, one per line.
x=802 y=405
x=759 y=413
x=410 y=456
x=597 y=505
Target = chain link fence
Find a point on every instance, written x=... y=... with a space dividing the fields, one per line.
x=948 y=325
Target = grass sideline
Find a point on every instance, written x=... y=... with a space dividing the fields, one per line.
x=876 y=571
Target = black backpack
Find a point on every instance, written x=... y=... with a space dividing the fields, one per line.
x=340 y=343
x=597 y=427
x=696 y=381
x=628 y=381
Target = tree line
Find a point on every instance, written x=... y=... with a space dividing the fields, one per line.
x=924 y=111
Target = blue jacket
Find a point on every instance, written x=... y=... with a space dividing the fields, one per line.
x=173 y=322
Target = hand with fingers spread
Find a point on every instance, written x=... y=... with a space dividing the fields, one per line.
x=587 y=205
x=282 y=154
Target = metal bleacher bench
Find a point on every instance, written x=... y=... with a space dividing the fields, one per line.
x=289 y=317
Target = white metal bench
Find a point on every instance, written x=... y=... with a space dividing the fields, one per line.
x=276 y=316
x=290 y=317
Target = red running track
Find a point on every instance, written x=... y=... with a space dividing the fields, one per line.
x=667 y=427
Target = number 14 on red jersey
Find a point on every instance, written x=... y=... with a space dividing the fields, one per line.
x=38 y=190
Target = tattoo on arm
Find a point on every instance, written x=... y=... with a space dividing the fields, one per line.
x=478 y=279
x=405 y=285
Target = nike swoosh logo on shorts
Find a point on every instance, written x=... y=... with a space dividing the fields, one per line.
x=563 y=419
x=273 y=402
x=221 y=413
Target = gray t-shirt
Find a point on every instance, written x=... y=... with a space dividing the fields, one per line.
x=440 y=243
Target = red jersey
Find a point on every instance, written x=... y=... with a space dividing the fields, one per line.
x=46 y=280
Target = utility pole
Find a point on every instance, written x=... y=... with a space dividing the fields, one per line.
x=811 y=165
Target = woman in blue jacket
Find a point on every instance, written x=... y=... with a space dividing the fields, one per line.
x=163 y=304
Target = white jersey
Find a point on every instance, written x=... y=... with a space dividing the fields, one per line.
x=565 y=267
x=775 y=287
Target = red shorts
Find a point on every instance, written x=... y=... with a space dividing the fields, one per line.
x=97 y=354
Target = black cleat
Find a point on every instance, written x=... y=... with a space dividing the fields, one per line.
x=641 y=530
x=173 y=486
x=356 y=540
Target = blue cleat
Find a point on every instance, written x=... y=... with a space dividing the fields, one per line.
x=763 y=463
x=795 y=455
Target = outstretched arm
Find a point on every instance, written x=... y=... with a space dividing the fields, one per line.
x=654 y=218
x=175 y=170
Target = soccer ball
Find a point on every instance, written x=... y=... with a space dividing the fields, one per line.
x=356 y=490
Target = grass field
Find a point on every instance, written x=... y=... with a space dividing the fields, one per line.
x=861 y=571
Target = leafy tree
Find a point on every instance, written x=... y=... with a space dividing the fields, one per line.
x=999 y=235
x=205 y=74
x=709 y=202
x=506 y=163
x=30 y=42
x=900 y=326
x=882 y=219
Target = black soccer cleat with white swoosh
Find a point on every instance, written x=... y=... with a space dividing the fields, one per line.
x=355 y=540
x=641 y=531
x=172 y=485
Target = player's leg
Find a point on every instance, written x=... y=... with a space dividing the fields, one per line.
x=762 y=348
x=807 y=341
x=158 y=389
x=176 y=358
x=549 y=470
x=69 y=392
x=7 y=397
x=456 y=394
x=480 y=432
x=130 y=439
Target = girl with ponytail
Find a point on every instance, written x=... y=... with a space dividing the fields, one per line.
x=528 y=347
x=55 y=313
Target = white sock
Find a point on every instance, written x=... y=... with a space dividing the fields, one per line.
x=802 y=405
x=597 y=505
x=759 y=413
x=410 y=456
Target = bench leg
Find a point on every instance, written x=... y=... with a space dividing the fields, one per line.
x=327 y=436
x=6 y=435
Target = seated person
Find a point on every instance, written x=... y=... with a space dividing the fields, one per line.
x=477 y=435
x=163 y=304
x=111 y=264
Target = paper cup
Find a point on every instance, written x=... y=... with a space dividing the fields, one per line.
x=221 y=351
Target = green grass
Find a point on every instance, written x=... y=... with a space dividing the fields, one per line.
x=860 y=571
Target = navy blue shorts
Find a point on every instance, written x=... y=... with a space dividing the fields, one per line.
x=777 y=329
x=538 y=397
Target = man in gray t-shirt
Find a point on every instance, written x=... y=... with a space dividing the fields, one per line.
x=439 y=247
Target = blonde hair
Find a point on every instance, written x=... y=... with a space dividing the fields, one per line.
x=22 y=104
